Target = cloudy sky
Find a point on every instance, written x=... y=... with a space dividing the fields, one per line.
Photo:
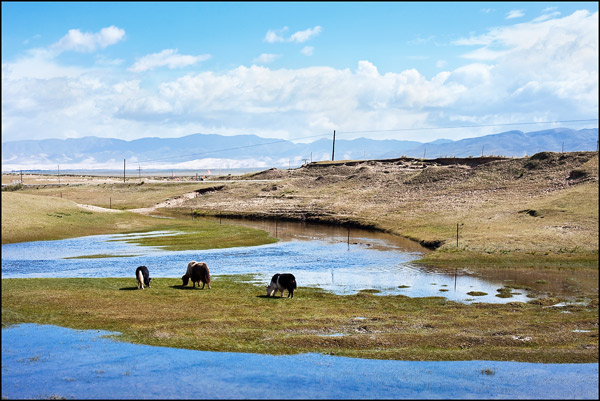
x=297 y=70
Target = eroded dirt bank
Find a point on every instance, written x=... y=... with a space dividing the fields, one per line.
x=546 y=203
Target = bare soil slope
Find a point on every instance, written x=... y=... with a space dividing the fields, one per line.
x=545 y=203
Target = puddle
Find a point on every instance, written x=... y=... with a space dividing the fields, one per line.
x=49 y=362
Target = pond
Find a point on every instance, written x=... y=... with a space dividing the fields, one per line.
x=42 y=361
x=336 y=259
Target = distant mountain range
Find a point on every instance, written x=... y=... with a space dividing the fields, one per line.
x=200 y=151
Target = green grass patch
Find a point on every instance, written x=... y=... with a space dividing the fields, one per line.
x=476 y=293
x=236 y=316
x=457 y=257
x=38 y=218
x=99 y=256
x=205 y=235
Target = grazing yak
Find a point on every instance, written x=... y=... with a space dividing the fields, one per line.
x=281 y=282
x=142 y=276
x=197 y=272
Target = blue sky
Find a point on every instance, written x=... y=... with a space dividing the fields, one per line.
x=296 y=70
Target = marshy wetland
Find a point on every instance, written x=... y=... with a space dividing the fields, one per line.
x=360 y=296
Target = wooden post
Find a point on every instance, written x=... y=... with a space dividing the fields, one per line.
x=457 y=235
x=348 y=238
x=333 y=150
x=110 y=203
x=21 y=176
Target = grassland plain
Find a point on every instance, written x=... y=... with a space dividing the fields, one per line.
x=236 y=316
x=537 y=213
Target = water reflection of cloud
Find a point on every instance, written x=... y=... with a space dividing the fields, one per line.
x=333 y=266
x=41 y=361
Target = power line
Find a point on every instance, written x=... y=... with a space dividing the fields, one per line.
x=235 y=148
x=367 y=131
x=467 y=126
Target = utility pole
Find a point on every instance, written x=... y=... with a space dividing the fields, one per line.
x=123 y=170
x=482 y=150
x=21 y=176
x=333 y=151
x=59 y=174
x=139 y=172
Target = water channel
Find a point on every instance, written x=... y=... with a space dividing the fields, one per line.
x=336 y=259
x=42 y=361
x=49 y=362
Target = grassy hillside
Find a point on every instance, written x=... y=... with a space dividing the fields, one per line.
x=543 y=208
x=35 y=218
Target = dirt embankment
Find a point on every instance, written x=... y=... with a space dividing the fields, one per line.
x=488 y=198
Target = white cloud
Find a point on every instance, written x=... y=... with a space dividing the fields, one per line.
x=303 y=36
x=78 y=41
x=40 y=63
x=274 y=36
x=169 y=58
x=515 y=14
x=307 y=50
x=543 y=64
x=441 y=63
x=522 y=72
x=266 y=58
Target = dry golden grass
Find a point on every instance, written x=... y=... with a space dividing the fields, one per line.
x=546 y=204
x=116 y=195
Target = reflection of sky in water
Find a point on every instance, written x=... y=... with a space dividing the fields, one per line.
x=330 y=265
x=45 y=362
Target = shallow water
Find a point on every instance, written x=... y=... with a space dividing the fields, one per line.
x=325 y=258
x=41 y=361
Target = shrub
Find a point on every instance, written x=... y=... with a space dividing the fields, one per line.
x=12 y=187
